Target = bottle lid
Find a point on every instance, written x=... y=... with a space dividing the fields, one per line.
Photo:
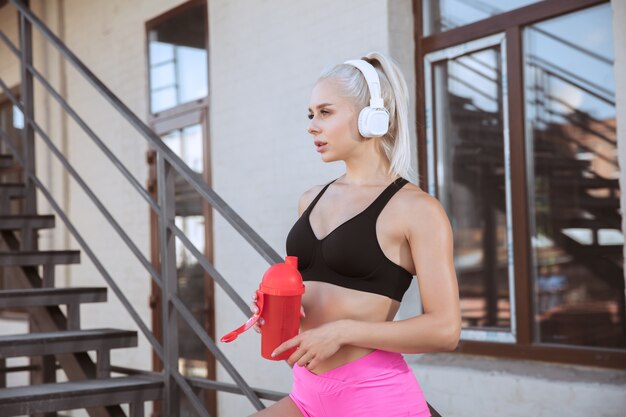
x=283 y=279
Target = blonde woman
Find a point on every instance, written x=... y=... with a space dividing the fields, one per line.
x=359 y=240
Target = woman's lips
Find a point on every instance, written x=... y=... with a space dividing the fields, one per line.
x=320 y=146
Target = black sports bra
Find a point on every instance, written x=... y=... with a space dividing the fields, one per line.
x=349 y=256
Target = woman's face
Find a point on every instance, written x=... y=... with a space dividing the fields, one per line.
x=333 y=122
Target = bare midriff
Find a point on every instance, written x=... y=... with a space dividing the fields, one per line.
x=324 y=303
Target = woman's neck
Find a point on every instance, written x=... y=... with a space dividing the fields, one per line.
x=368 y=168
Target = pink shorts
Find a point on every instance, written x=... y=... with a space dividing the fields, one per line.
x=377 y=384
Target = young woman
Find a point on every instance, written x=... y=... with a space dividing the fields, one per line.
x=359 y=240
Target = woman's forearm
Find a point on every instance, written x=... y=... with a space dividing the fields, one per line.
x=420 y=334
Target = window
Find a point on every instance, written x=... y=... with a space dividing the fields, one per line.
x=520 y=147
x=178 y=95
x=576 y=233
x=178 y=59
x=472 y=178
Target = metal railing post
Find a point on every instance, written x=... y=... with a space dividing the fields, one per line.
x=167 y=242
x=29 y=240
x=27 y=98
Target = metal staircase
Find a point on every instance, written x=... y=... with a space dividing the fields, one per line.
x=59 y=335
x=60 y=339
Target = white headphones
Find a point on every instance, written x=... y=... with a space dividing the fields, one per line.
x=373 y=119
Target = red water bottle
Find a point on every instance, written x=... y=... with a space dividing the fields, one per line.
x=279 y=298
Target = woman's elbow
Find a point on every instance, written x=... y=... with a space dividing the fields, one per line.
x=451 y=338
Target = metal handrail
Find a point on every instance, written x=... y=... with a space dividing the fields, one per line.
x=172 y=161
x=182 y=309
x=86 y=188
x=567 y=76
x=179 y=165
x=116 y=162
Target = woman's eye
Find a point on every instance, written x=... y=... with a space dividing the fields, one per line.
x=310 y=116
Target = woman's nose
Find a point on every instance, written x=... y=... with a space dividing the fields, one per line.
x=313 y=128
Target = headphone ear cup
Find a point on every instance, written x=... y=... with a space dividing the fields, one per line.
x=363 y=123
x=373 y=122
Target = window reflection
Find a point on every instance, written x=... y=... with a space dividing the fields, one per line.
x=472 y=181
x=577 y=239
x=178 y=59
x=442 y=15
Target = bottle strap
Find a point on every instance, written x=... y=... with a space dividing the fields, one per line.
x=233 y=335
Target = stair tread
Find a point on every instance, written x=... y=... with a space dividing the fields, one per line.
x=79 y=394
x=14 y=222
x=13 y=190
x=30 y=258
x=51 y=296
x=6 y=161
x=62 y=335
x=31 y=344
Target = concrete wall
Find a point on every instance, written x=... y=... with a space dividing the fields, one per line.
x=264 y=59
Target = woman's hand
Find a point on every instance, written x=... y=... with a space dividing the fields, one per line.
x=261 y=322
x=314 y=345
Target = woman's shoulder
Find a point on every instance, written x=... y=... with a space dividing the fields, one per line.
x=414 y=203
x=307 y=197
x=413 y=199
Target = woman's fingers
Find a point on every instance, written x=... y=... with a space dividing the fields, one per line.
x=258 y=324
x=302 y=311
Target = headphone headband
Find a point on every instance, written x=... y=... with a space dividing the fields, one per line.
x=371 y=77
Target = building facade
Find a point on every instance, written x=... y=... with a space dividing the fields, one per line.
x=517 y=113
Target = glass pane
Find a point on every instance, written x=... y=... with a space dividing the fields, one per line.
x=472 y=182
x=163 y=99
x=442 y=15
x=18 y=118
x=163 y=76
x=576 y=220
x=178 y=59
x=192 y=78
x=160 y=52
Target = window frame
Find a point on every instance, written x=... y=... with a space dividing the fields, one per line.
x=511 y=24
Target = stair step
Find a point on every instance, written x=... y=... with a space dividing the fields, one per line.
x=51 y=343
x=51 y=296
x=17 y=401
x=17 y=222
x=14 y=190
x=34 y=258
x=6 y=161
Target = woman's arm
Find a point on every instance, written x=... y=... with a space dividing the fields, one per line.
x=438 y=329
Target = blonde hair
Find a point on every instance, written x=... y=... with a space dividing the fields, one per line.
x=395 y=94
